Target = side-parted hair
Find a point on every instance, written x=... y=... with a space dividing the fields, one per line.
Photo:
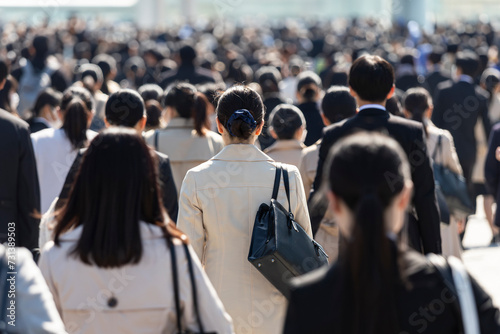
x=115 y=188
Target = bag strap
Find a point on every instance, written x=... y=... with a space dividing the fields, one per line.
x=277 y=179
x=193 y=289
x=438 y=147
x=176 y=286
x=156 y=140
x=287 y=188
x=465 y=296
x=445 y=271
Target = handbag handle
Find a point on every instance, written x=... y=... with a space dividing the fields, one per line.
x=438 y=147
x=176 y=288
x=156 y=140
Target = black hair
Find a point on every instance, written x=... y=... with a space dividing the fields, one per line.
x=49 y=97
x=416 y=102
x=187 y=54
x=436 y=55
x=407 y=59
x=468 y=62
x=338 y=104
x=4 y=69
x=153 y=112
x=107 y=64
x=357 y=172
x=89 y=75
x=124 y=108
x=372 y=78
x=76 y=105
x=285 y=120
x=490 y=79
x=110 y=209
x=41 y=46
x=236 y=98
x=150 y=92
x=189 y=103
x=268 y=77
x=211 y=90
x=308 y=84
x=5 y=101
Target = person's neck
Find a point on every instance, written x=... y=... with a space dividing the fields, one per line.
x=362 y=103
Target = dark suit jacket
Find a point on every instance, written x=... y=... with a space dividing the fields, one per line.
x=433 y=80
x=427 y=307
x=166 y=182
x=457 y=108
x=19 y=187
x=492 y=168
x=407 y=81
x=189 y=73
x=36 y=125
x=314 y=122
x=409 y=134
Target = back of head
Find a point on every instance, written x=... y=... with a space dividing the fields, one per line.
x=4 y=70
x=240 y=98
x=416 y=102
x=154 y=112
x=285 y=120
x=372 y=78
x=114 y=190
x=41 y=45
x=48 y=97
x=308 y=84
x=468 y=62
x=407 y=59
x=124 y=108
x=76 y=106
x=268 y=78
x=150 y=92
x=490 y=79
x=366 y=171
x=338 y=104
x=187 y=54
x=436 y=55
x=188 y=103
x=106 y=63
x=90 y=75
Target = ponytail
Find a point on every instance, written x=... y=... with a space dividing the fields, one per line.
x=75 y=123
x=199 y=115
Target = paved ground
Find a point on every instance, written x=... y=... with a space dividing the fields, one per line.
x=482 y=259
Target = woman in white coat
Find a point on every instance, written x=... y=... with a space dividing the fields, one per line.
x=56 y=148
x=218 y=203
x=109 y=267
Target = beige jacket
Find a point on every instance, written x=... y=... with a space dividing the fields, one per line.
x=143 y=291
x=286 y=151
x=308 y=166
x=217 y=207
x=184 y=147
x=447 y=156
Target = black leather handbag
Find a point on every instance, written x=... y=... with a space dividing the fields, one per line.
x=280 y=248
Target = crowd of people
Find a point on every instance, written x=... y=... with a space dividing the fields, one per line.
x=133 y=164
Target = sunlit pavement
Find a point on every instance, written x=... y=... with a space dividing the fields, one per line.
x=482 y=259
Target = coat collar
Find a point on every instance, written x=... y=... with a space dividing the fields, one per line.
x=373 y=112
x=148 y=231
x=280 y=145
x=241 y=152
x=179 y=122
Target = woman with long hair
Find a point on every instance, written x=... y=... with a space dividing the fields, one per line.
x=110 y=266
x=187 y=139
x=217 y=206
x=56 y=148
x=378 y=285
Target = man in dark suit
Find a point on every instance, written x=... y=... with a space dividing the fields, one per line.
x=19 y=188
x=187 y=71
x=371 y=81
x=457 y=107
x=492 y=169
x=126 y=108
x=435 y=76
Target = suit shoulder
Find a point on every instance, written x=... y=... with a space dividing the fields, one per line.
x=482 y=93
x=9 y=120
x=445 y=85
x=409 y=123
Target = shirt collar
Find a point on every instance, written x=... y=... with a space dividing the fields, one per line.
x=372 y=106
x=241 y=152
x=42 y=120
x=466 y=78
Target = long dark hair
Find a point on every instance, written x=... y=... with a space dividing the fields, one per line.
x=417 y=101
x=110 y=208
x=366 y=171
x=236 y=98
x=76 y=105
x=189 y=103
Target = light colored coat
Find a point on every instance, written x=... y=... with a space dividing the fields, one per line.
x=54 y=157
x=286 y=151
x=144 y=291
x=308 y=166
x=184 y=147
x=447 y=156
x=218 y=203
